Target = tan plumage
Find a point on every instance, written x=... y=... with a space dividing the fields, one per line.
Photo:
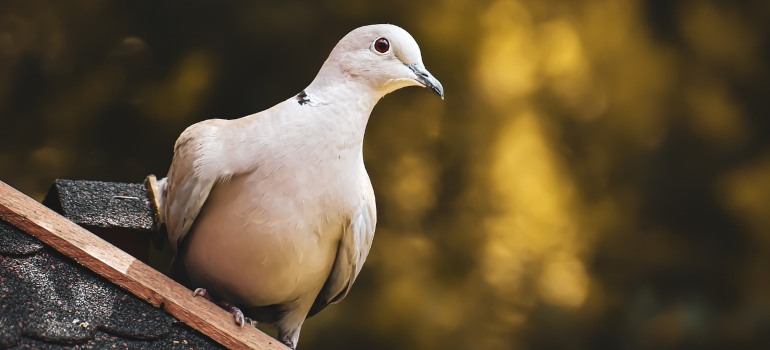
x=275 y=211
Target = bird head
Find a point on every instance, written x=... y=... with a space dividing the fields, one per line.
x=383 y=56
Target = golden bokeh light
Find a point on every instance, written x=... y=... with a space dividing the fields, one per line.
x=538 y=222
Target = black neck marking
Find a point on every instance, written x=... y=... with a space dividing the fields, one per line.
x=302 y=98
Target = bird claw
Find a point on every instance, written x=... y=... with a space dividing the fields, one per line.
x=240 y=318
x=202 y=292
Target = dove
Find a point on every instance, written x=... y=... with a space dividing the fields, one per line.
x=272 y=215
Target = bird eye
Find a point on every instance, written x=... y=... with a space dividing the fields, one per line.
x=382 y=45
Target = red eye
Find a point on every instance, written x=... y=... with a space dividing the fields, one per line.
x=381 y=45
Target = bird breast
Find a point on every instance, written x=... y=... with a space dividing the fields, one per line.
x=271 y=235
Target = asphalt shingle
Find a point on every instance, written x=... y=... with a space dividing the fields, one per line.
x=47 y=301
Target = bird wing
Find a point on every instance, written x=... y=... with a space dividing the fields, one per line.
x=194 y=172
x=351 y=253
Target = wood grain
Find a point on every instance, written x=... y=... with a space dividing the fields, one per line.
x=127 y=272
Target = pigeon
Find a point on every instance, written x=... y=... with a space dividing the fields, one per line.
x=272 y=215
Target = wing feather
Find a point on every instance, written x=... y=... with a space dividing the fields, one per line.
x=351 y=253
x=193 y=173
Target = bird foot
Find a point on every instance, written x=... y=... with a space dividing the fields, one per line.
x=202 y=292
x=240 y=318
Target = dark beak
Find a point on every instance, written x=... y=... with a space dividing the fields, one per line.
x=426 y=79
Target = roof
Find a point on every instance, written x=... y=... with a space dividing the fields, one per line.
x=49 y=301
x=61 y=286
x=120 y=213
x=103 y=204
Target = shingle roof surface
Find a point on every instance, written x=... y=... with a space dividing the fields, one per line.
x=48 y=301
x=102 y=204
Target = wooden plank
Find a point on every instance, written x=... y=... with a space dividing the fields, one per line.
x=124 y=270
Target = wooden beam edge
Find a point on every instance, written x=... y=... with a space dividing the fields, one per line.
x=127 y=272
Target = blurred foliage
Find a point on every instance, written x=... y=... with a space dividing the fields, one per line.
x=597 y=178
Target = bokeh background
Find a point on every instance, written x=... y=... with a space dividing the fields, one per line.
x=597 y=178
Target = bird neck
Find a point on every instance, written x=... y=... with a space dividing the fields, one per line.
x=348 y=101
x=345 y=85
